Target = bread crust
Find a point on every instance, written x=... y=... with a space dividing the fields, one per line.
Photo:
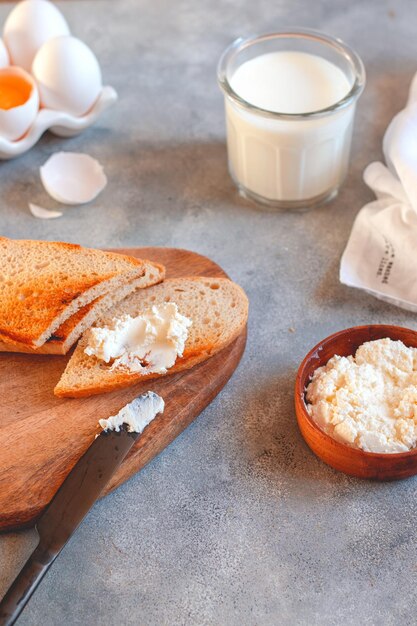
x=121 y=380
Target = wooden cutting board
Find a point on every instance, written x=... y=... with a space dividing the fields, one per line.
x=42 y=437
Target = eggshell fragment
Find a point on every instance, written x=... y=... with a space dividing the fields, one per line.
x=43 y=214
x=28 y=26
x=4 y=55
x=68 y=75
x=73 y=178
x=15 y=121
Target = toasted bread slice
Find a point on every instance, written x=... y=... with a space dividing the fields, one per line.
x=67 y=334
x=43 y=283
x=217 y=307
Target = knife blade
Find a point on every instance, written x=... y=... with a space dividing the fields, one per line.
x=76 y=496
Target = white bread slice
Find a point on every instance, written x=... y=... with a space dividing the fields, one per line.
x=67 y=334
x=43 y=283
x=217 y=307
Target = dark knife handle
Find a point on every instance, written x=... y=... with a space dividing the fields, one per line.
x=24 y=585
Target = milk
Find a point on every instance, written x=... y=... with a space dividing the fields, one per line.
x=290 y=82
x=281 y=160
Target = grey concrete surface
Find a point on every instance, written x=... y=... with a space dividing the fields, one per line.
x=236 y=522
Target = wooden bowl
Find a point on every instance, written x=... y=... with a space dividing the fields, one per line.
x=340 y=456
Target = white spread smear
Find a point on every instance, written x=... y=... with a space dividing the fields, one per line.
x=368 y=401
x=43 y=214
x=148 y=343
x=137 y=414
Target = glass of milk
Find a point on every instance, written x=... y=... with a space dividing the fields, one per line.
x=290 y=101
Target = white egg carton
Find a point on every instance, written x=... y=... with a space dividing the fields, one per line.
x=59 y=123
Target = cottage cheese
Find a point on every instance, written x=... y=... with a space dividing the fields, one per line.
x=368 y=401
x=148 y=343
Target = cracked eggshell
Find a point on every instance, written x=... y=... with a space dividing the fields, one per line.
x=16 y=121
x=43 y=214
x=73 y=178
x=28 y=26
x=68 y=75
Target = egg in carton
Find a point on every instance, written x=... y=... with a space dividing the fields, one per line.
x=49 y=80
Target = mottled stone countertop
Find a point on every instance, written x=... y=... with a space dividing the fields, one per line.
x=236 y=522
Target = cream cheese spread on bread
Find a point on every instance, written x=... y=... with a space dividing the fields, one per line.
x=369 y=400
x=136 y=415
x=148 y=343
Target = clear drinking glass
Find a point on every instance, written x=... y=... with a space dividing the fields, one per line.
x=289 y=160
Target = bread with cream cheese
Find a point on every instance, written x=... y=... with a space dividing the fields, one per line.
x=217 y=307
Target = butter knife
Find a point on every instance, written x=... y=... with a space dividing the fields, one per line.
x=76 y=496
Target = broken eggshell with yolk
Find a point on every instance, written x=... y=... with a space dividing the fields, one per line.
x=73 y=178
x=19 y=102
x=4 y=55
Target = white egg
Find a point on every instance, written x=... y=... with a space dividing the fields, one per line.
x=68 y=75
x=4 y=55
x=28 y=26
x=17 y=85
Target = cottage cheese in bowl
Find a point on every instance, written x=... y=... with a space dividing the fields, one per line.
x=368 y=401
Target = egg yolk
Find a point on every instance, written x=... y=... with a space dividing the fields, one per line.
x=14 y=91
